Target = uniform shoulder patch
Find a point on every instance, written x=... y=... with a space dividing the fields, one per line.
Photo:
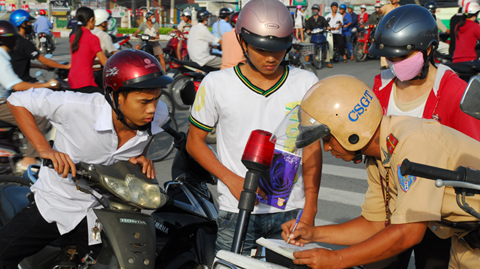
x=405 y=182
x=392 y=142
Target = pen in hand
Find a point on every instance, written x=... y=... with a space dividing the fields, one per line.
x=299 y=215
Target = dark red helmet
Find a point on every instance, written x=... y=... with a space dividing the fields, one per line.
x=42 y=12
x=133 y=69
x=234 y=18
x=8 y=33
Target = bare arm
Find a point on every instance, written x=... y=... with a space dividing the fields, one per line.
x=312 y=172
x=136 y=33
x=345 y=234
x=102 y=58
x=51 y=63
x=387 y=243
x=23 y=86
x=61 y=161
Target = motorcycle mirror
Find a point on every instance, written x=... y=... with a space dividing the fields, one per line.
x=328 y=19
x=187 y=93
x=470 y=103
x=38 y=73
x=116 y=46
x=48 y=56
x=344 y=19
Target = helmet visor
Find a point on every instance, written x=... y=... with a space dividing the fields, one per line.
x=298 y=130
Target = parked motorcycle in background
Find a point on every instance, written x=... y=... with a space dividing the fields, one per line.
x=364 y=40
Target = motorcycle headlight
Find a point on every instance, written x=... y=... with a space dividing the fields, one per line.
x=136 y=191
x=145 y=37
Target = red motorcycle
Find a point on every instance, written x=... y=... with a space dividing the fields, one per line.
x=170 y=50
x=364 y=40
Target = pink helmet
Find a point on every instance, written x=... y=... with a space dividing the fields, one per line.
x=299 y=7
x=266 y=24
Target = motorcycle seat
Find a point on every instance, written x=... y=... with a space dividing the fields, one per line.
x=13 y=198
x=195 y=65
x=4 y=124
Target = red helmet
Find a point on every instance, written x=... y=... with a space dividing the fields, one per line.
x=130 y=70
x=133 y=69
x=43 y=12
x=234 y=18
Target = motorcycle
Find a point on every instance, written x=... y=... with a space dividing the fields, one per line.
x=364 y=40
x=180 y=233
x=121 y=42
x=170 y=50
x=185 y=71
x=321 y=38
x=45 y=43
x=297 y=57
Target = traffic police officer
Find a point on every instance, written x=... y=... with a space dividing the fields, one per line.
x=344 y=112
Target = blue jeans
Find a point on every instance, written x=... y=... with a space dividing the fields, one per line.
x=260 y=225
x=348 y=42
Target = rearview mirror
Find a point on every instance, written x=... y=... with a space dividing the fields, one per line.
x=38 y=73
x=48 y=56
x=187 y=93
x=470 y=103
x=328 y=19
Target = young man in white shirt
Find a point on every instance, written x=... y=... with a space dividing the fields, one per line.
x=93 y=128
x=336 y=22
x=199 y=40
x=250 y=96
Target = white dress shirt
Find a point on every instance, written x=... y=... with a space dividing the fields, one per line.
x=334 y=22
x=86 y=133
x=198 y=42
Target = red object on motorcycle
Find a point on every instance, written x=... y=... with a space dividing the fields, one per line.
x=173 y=65
x=197 y=85
x=125 y=40
x=258 y=152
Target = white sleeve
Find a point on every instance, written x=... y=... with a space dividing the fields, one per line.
x=209 y=37
x=204 y=114
x=41 y=102
x=107 y=43
x=8 y=78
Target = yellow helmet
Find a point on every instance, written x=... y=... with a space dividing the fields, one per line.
x=343 y=106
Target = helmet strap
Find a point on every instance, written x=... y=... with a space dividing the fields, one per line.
x=358 y=157
x=118 y=112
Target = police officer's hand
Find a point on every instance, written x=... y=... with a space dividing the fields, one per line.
x=147 y=165
x=61 y=161
x=318 y=258
x=303 y=234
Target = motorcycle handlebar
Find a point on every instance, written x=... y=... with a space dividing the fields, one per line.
x=462 y=173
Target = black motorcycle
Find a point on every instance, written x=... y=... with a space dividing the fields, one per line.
x=45 y=43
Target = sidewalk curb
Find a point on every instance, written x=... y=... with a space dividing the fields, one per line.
x=58 y=34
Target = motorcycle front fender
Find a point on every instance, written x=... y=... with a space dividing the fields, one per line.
x=130 y=235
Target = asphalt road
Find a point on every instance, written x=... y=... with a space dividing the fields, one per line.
x=343 y=184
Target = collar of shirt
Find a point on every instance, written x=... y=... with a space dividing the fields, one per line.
x=105 y=120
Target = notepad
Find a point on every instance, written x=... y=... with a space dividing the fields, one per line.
x=281 y=247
